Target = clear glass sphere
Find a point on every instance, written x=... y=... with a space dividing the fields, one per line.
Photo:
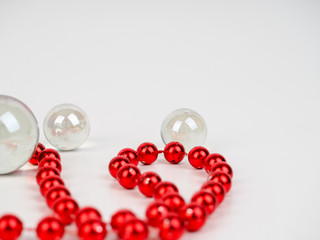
x=19 y=134
x=66 y=126
x=185 y=126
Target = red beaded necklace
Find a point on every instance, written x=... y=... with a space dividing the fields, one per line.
x=169 y=213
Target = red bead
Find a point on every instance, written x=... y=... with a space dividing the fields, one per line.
x=35 y=158
x=66 y=208
x=50 y=228
x=93 y=229
x=205 y=199
x=134 y=229
x=147 y=183
x=223 y=167
x=216 y=188
x=46 y=172
x=211 y=160
x=130 y=154
x=222 y=177
x=147 y=153
x=174 y=201
x=156 y=212
x=194 y=216
x=174 y=152
x=49 y=182
x=87 y=213
x=196 y=157
x=128 y=176
x=55 y=193
x=171 y=228
x=164 y=187
x=49 y=153
x=50 y=162
x=116 y=163
x=120 y=218
x=10 y=227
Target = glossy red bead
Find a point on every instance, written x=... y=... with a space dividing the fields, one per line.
x=86 y=214
x=197 y=156
x=134 y=229
x=211 y=160
x=93 y=229
x=120 y=218
x=216 y=188
x=174 y=200
x=171 y=228
x=147 y=183
x=174 y=152
x=130 y=154
x=194 y=216
x=128 y=176
x=35 y=157
x=223 y=167
x=49 y=153
x=50 y=228
x=222 y=177
x=164 y=187
x=205 y=199
x=147 y=153
x=46 y=172
x=10 y=227
x=156 y=212
x=55 y=193
x=49 y=182
x=66 y=208
x=50 y=162
x=116 y=163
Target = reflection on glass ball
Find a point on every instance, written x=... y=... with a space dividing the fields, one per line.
x=66 y=126
x=19 y=134
x=185 y=126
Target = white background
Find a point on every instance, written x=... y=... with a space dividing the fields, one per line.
x=250 y=68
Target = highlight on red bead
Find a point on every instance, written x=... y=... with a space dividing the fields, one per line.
x=49 y=182
x=147 y=153
x=171 y=228
x=164 y=187
x=10 y=227
x=93 y=229
x=194 y=216
x=197 y=156
x=35 y=157
x=116 y=163
x=156 y=212
x=46 y=172
x=120 y=218
x=211 y=160
x=131 y=154
x=49 y=153
x=50 y=228
x=205 y=199
x=134 y=229
x=223 y=167
x=86 y=214
x=216 y=188
x=128 y=176
x=50 y=162
x=221 y=177
x=147 y=183
x=55 y=193
x=174 y=200
x=174 y=152
x=66 y=209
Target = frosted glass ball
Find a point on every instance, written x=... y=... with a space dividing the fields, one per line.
x=185 y=126
x=66 y=126
x=19 y=134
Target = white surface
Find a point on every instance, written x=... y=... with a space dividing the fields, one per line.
x=250 y=68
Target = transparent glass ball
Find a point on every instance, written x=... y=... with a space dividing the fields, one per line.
x=66 y=126
x=185 y=126
x=19 y=134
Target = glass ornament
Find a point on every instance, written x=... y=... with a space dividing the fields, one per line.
x=19 y=134
x=66 y=126
x=184 y=126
